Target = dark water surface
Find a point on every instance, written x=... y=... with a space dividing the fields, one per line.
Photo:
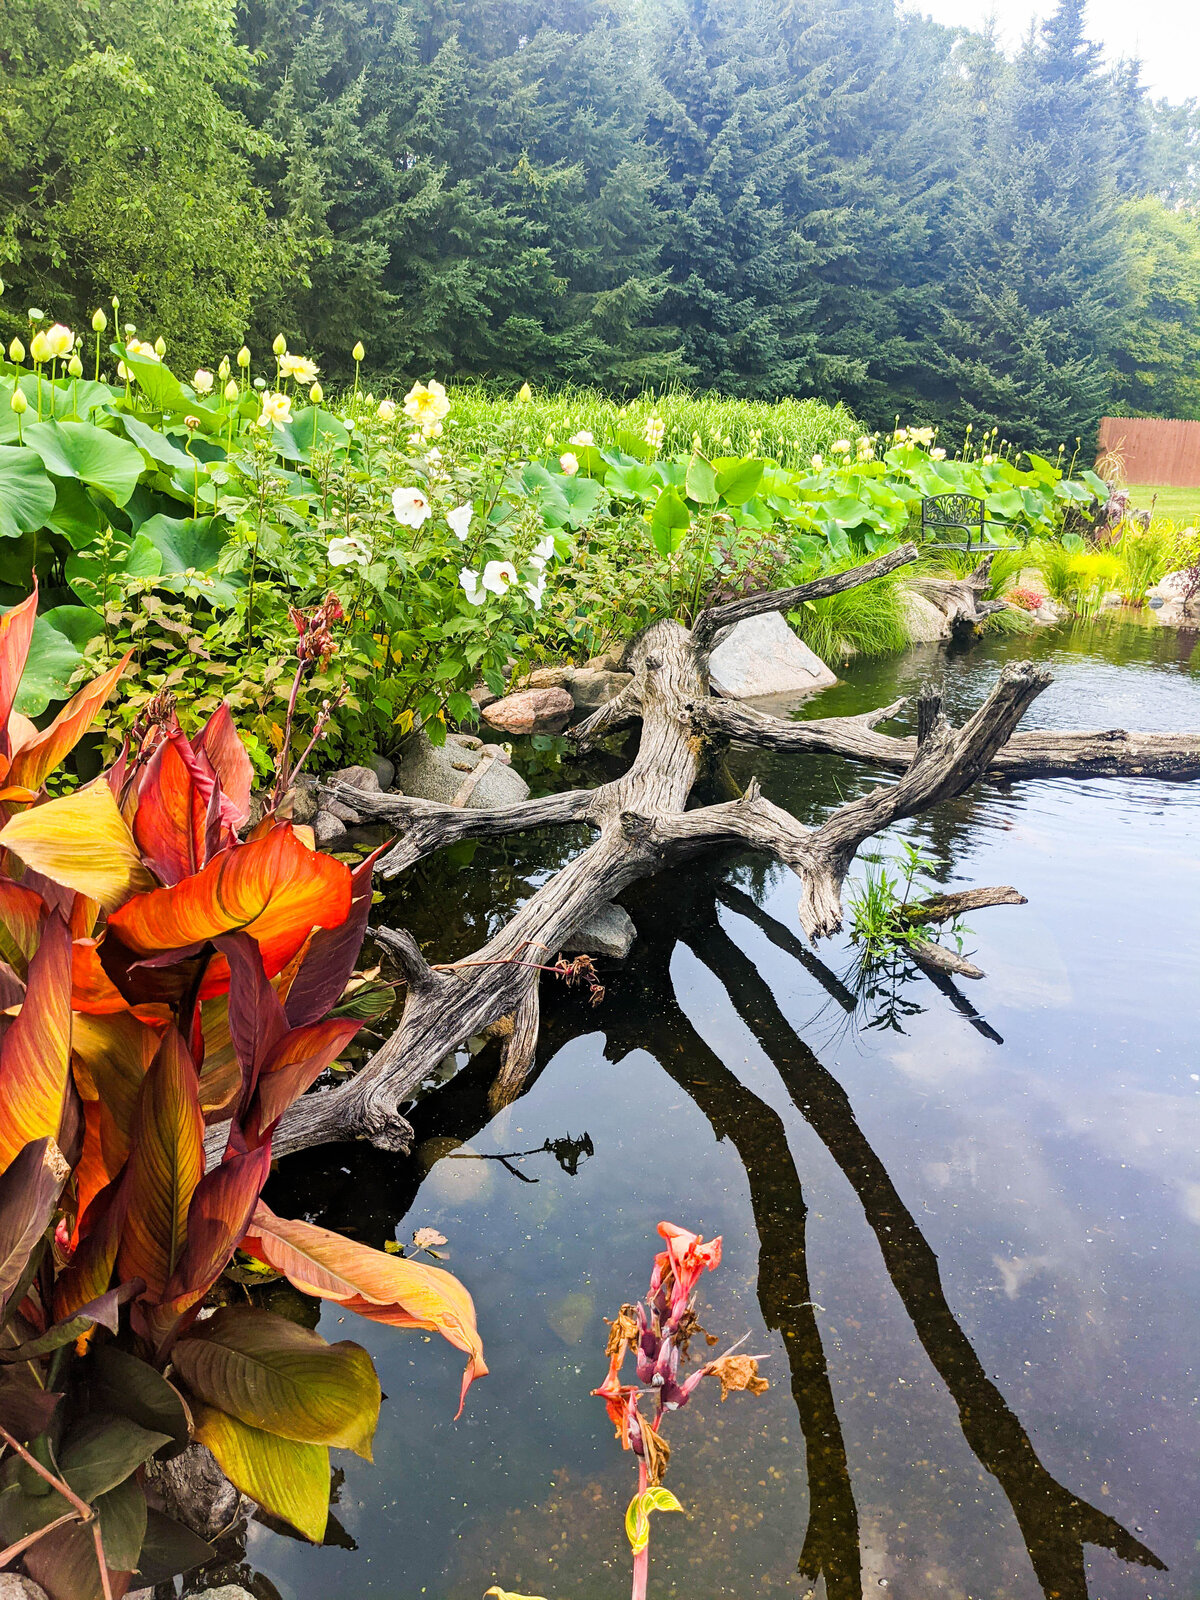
x=962 y=1222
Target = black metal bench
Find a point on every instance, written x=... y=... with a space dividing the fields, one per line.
x=963 y=514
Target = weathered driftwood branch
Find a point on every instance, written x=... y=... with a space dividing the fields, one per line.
x=945 y=907
x=1038 y=753
x=642 y=825
x=960 y=600
x=709 y=623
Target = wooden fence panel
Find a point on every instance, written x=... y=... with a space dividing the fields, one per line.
x=1154 y=449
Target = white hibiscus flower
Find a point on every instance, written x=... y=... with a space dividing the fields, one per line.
x=410 y=507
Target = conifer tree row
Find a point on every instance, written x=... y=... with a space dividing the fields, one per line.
x=767 y=197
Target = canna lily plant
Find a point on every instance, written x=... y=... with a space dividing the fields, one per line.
x=167 y=978
x=658 y=1331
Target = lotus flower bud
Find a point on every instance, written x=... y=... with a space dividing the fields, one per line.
x=223 y=369
x=39 y=348
x=99 y=322
x=16 y=352
x=316 y=394
x=160 y=347
x=243 y=357
x=75 y=366
x=19 y=402
x=358 y=352
x=231 y=390
x=280 y=345
x=524 y=394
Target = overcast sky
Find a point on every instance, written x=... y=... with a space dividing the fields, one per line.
x=1165 y=34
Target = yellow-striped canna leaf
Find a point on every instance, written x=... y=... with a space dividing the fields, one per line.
x=637 y=1518
x=288 y=1479
x=384 y=1288
x=35 y=1060
x=83 y=842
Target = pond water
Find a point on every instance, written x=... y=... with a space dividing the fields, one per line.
x=961 y=1221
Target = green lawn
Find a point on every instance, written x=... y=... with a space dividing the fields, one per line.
x=1182 y=505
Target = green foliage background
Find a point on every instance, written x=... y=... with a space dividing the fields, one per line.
x=763 y=197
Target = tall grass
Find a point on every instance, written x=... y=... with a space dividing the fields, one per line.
x=790 y=431
x=867 y=621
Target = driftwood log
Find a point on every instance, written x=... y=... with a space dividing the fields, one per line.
x=642 y=825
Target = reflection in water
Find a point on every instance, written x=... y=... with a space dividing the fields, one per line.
x=1054 y=1523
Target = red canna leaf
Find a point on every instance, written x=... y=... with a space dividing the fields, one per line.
x=272 y=888
x=112 y=1056
x=165 y=1165
x=29 y=1191
x=295 y=1064
x=21 y=913
x=325 y=968
x=256 y=1019
x=35 y=1059
x=89 y=1272
x=219 y=741
x=218 y=1217
x=174 y=801
x=34 y=762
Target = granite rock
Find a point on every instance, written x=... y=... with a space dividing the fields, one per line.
x=438 y=774
x=531 y=711
x=609 y=932
x=762 y=656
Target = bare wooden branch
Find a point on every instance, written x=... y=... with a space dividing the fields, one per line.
x=1038 y=753
x=945 y=907
x=928 y=954
x=709 y=623
x=960 y=599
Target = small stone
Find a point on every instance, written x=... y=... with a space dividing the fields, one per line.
x=358 y=778
x=14 y=1588
x=609 y=932
x=545 y=678
x=227 y=1591
x=610 y=661
x=482 y=695
x=343 y=813
x=384 y=770
x=429 y=773
x=303 y=795
x=531 y=711
x=328 y=828
x=468 y=741
x=762 y=656
x=592 y=687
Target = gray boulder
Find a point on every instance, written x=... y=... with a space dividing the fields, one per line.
x=304 y=799
x=432 y=774
x=589 y=687
x=608 y=932
x=14 y=1588
x=384 y=770
x=365 y=778
x=762 y=656
x=924 y=622
x=328 y=829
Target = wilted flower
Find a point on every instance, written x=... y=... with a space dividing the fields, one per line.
x=300 y=368
x=582 y=440
x=469 y=580
x=99 y=322
x=348 y=552
x=460 y=520
x=655 y=433
x=387 y=411
x=499 y=576
x=410 y=507
x=359 y=351
x=525 y=394
x=16 y=352
x=202 y=380
x=426 y=404
x=569 y=463
x=276 y=408
x=243 y=357
x=231 y=390
x=191 y=423
x=842 y=446
x=316 y=394
x=18 y=402
x=39 y=348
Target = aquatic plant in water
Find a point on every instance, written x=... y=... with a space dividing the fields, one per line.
x=658 y=1331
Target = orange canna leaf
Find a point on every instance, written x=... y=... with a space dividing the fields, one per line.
x=294 y=1065
x=35 y=1060
x=21 y=913
x=218 y=1217
x=381 y=1287
x=89 y=1272
x=16 y=631
x=112 y=1055
x=272 y=888
x=35 y=761
x=220 y=1075
x=165 y=1165
x=177 y=821
x=219 y=741
x=82 y=842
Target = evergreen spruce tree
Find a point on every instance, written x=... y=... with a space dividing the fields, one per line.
x=1037 y=282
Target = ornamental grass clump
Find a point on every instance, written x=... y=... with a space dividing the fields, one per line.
x=658 y=1333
